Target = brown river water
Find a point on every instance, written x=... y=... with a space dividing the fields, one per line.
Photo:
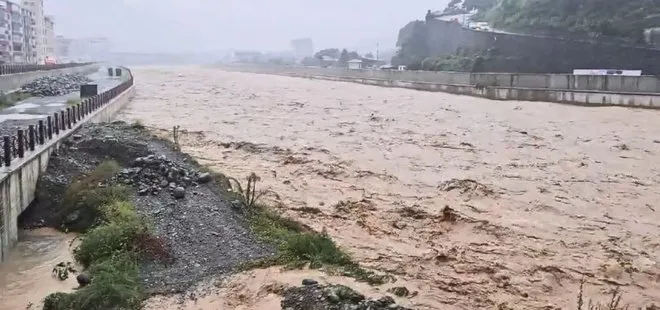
x=27 y=277
x=540 y=195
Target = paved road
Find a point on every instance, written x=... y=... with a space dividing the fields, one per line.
x=27 y=111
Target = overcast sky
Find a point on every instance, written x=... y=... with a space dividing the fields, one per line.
x=212 y=25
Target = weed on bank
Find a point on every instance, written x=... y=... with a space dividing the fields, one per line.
x=298 y=246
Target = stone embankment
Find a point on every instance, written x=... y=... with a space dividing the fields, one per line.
x=56 y=85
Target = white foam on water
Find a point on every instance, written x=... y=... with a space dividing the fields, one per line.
x=23 y=106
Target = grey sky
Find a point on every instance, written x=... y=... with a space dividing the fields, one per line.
x=211 y=25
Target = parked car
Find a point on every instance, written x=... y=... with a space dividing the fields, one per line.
x=480 y=26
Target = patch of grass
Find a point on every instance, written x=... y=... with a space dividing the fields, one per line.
x=115 y=285
x=84 y=199
x=72 y=101
x=119 y=211
x=105 y=241
x=12 y=98
x=299 y=246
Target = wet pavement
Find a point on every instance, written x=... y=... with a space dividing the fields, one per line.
x=28 y=111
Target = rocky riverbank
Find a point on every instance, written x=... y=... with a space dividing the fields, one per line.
x=199 y=227
x=205 y=232
x=312 y=296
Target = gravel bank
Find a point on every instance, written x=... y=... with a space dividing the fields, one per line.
x=204 y=234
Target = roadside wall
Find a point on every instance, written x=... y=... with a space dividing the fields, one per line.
x=562 y=88
x=18 y=181
x=12 y=82
x=633 y=84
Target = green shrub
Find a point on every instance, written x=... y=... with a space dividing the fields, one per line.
x=12 y=98
x=299 y=246
x=57 y=301
x=85 y=197
x=72 y=101
x=317 y=249
x=108 y=240
x=115 y=285
x=119 y=211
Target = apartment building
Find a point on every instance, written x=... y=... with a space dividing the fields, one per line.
x=37 y=9
x=29 y=37
x=20 y=35
x=12 y=32
x=49 y=39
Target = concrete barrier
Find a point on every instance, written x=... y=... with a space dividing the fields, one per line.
x=568 y=89
x=12 y=82
x=18 y=180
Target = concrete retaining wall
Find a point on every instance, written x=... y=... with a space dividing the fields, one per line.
x=632 y=84
x=12 y=82
x=561 y=88
x=18 y=182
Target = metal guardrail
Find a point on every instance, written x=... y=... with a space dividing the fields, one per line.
x=45 y=130
x=22 y=68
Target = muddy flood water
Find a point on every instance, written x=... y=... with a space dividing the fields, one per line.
x=27 y=276
x=545 y=194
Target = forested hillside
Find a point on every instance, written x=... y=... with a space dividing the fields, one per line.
x=595 y=18
x=623 y=19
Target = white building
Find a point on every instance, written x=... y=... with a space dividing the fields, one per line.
x=303 y=48
x=17 y=33
x=49 y=39
x=355 y=64
x=37 y=9
x=29 y=37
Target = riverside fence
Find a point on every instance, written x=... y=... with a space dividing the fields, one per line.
x=23 y=68
x=48 y=128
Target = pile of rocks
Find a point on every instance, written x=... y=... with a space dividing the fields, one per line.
x=153 y=174
x=312 y=296
x=55 y=85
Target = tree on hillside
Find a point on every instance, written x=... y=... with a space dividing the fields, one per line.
x=331 y=52
x=481 y=5
x=595 y=18
x=411 y=44
x=343 y=57
x=454 y=7
x=466 y=6
x=369 y=55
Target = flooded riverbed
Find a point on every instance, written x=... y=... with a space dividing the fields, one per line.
x=26 y=277
x=543 y=194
